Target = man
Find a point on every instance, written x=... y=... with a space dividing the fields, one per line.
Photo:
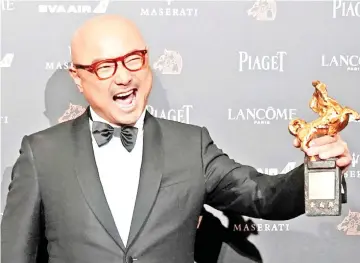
x=75 y=184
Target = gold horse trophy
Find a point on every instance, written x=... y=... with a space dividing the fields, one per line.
x=322 y=177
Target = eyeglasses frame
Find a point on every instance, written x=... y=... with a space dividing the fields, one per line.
x=92 y=68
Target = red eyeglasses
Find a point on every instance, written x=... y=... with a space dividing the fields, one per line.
x=107 y=68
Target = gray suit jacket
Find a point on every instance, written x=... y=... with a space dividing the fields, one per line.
x=56 y=198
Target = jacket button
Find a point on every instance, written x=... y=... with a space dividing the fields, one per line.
x=129 y=259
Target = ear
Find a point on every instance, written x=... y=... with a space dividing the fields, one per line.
x=74 y=75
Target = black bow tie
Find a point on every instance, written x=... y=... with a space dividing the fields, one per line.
x=104 y=132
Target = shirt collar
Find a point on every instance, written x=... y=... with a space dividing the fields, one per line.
x=139 y=123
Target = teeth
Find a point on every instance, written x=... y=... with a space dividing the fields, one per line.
x=124 y=94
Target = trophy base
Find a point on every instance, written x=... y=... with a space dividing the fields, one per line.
x=322 y=187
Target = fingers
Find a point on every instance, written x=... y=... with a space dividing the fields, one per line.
x=327 y=151
x=324 y=140
x=328 y=147
x=318 y=141
x=337 y=149
x=344 y=162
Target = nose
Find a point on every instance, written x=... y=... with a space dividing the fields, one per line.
x=122 y=75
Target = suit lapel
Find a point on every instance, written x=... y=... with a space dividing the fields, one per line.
x=150 y=175
x=88 y=176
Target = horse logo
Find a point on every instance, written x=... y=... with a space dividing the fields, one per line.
x=71 y=113
x=169 y=63
x=351 y=224
x=263 y=10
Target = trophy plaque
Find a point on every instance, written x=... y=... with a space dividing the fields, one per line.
x=322 y=177
x=322 y=187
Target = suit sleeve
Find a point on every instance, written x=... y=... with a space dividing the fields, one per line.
x=239 y=188
x=20 y=225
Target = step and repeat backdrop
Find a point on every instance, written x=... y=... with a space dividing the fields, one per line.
x=241 y=68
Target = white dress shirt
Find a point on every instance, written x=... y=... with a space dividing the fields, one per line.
x=119 y=172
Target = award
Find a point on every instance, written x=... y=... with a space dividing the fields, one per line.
x=322 y=177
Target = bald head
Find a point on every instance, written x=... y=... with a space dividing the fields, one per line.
x=105 y=36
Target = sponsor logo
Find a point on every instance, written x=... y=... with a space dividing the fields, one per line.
x=351 y=224
x=56 y=65
x=74 y=9
x=169 y=63
x=71 y=113
x=355 y=159
x=275 y=171
x=346 y=8
x=261 y=116
x=263 y=63
x=244 y=224
x=260 y=227
x=350 y=62
x=7 y=60
x=7 y=5
x=263 y=10
x=170 y=11
x=4 y=119
x=179 y=115
x=352 y=172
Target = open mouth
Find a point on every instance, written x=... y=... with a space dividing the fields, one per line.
x=126 y=100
